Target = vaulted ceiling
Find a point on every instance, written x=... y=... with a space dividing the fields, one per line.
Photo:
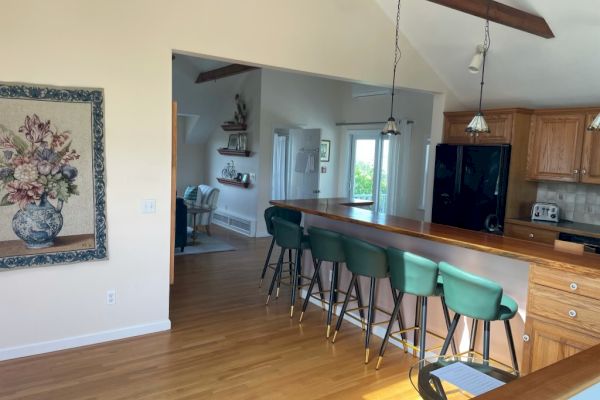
x=523 y=69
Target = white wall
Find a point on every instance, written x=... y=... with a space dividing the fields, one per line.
x=190 y=157
x=125 y=47
x=412 y=105
x=235 y=200
x=291 y=100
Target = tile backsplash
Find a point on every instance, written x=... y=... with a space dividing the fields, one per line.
x=577 y=202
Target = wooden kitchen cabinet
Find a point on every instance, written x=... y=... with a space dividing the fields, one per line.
x=590 y=156
x=532 y=234
x=562 y=308
x=500 y=123
x=546 y=342
x=555 y=144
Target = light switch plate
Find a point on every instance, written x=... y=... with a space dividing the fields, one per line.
x=148 y=206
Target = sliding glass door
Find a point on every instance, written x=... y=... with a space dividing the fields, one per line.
x=369 y=168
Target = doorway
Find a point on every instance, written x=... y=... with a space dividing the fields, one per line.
x=369 y=163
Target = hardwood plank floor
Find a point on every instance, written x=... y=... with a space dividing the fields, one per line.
x=224 y=344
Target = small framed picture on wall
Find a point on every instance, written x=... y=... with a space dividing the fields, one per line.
x=233 y=142
x=324 y=150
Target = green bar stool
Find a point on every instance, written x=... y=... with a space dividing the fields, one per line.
x=481 y=299
x=418 y=276
x=369 y=260
x=327 y=246
x=287 y=214
x=289 y=236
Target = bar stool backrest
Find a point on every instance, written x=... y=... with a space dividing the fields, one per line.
x=366 y=259
x=287 y=234
x=411 y=273
x=326 y=245
x=470 y=295
x=289 y=215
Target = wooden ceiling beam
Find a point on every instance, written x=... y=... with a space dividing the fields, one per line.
x=228 y=70
x=502 y=14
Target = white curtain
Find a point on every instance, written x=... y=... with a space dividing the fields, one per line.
x=398 y=170
x=279 y=167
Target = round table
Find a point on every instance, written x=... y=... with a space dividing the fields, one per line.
x=431 y=387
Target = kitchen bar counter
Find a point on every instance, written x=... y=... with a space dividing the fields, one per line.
x=336 y=209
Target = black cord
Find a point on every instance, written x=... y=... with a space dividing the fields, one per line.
x=486 y=45
x=397 y=55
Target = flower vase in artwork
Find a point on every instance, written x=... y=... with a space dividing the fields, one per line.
x=38 y=224
x=35 y=174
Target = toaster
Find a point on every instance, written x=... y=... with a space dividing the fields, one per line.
x=544 y=212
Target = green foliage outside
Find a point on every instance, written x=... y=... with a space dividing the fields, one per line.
x=363 y=180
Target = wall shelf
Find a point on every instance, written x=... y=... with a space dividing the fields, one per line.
x=234 y=127
x=233 y=182
x=231 y=152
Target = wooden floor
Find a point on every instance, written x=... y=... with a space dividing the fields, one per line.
x=224 y=344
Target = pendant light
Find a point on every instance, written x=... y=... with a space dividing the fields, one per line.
x=391 y=128
x=595 y=125
x=478 y=124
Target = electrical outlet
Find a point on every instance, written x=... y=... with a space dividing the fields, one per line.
x=111 y=296
x=252 y=176
x=330 y=276
x=148 y=206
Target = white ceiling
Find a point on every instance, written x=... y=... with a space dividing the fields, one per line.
x=523 y=69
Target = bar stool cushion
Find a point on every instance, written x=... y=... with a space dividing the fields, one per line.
x=289 y=215
x=326 y=245
x=288 y=235
x=508 y=308
x=366 y=259
x=413 y=274
x=471 y=295
x=439 y=287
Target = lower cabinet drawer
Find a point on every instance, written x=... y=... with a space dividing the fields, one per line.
x=530 y=233
x=570 y=309
x=584 y=283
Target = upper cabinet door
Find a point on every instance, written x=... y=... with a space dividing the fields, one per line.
x=454 y=130
x=501 y=128
x=590 y=157
x=555 y=147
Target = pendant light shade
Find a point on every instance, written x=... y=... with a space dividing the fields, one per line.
x=478 y=125
x=390 y=127
x=595 y=125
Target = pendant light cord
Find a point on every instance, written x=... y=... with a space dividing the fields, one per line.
x=486 y=45
x=397 y=55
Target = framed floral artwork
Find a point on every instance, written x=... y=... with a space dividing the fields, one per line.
x=52 y=175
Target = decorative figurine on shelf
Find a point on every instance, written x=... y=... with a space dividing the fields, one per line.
x=229 y=171
x=240 y=115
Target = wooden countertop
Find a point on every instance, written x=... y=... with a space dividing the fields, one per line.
x=502 y=246
x=556 y=382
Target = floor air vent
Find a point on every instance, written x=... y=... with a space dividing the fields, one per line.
x=235 y=223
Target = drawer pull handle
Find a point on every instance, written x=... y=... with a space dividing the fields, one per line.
x=531 y=235
x=573 y=286
x=572 y=313
x=526 y=338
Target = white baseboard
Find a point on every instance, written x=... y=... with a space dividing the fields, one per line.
x=9 y=353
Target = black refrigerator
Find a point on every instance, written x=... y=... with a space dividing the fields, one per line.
x=470 y=186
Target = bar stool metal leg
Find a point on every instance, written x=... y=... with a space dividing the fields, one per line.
x=423 y=328
x=395 y=314
x=310 y=289
x=276 y=274
x=417 y=322
x=447 y=319
x=451 y=331
x=264 y=270
x=486 y=340
x=359 y=301
x=344 y=307
x=296 y=277
x=332 y=297
x=370 y=317
x=399 y=315
x=511 y=345
x=473 y=337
